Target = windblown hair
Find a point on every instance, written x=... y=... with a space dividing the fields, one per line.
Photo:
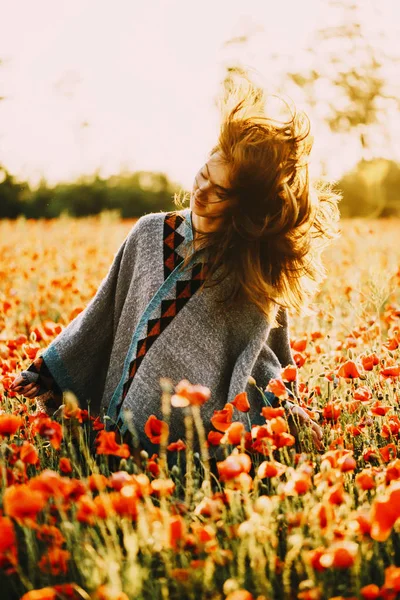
x=272 y=235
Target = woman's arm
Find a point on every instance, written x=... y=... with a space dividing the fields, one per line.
x=78 y=358
x=37 y=381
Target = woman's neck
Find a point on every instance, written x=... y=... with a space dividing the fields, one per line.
x=204 y=224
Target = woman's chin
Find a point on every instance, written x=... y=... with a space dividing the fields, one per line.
x=197 y=207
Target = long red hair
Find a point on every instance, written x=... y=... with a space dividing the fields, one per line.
x=271 y=238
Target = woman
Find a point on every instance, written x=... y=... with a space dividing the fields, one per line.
x=203 y=293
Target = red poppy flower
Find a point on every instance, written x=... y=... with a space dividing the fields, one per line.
x=370 y=592
x=365 y=479
x=222 y=419
x=9 y=424
x=106 y=444
x=268 y=412
x=289 y=373
x=50 y=483
x=214 y=438
x=280 y=440
x=240 y=595
x=21 y=502
x=299 y=345
x=65 y=465
x=7 y=535
x=55 y=561
x=233 y=465
x=393 y=471
x=186 y=393
x=386 y=452
x=391 y=344
x=354 y=430
x=362 y=393
x=162 y=487
x=341 y=555
x=332 y=411
x=176 y=446
x=277 y=425
x=349 y=370
x=378 y=409
x=97 y=425
x=241 y=402
x=119 y=479
x=97 y=482
x=316 y=335
x=48 y=429
x=392 y=427
x=369 y=454
x=392 y=371
x=233 y=435
x=86 y=510
x=277 y=387
x=177 y=530
x=28 y=453
x=47 y=593
x=270 y=469
x=314 y=558
x=369 y=361
x=50 y=534
x=392 y=579
x=155 y=429
x=385 y=511
x=347 y=463
x=299 y=359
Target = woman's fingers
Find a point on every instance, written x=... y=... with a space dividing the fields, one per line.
x=32 y=392
x=316 y=430
x=27 y=388
x=18 y=381
x=317 y=440
x=30 y=386
x=29 y=391
x=317 y=434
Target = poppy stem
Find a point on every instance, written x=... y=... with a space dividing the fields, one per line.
x=203 y=447
x=188 y=418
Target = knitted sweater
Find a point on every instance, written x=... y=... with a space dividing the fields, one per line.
x=146 y=321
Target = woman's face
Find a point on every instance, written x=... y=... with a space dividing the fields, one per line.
x=208 y=198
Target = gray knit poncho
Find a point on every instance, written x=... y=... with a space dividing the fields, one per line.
x=146 y=321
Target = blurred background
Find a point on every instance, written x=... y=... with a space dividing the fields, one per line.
x=111 y=106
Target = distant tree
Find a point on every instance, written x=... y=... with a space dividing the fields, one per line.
x=345 y=76
x=11 y=204
x=371 y=189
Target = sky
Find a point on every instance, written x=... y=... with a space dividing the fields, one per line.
x=130 y=84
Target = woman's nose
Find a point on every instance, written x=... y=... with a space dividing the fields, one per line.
x=203 y=186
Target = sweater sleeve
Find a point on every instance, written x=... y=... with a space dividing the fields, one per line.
x=38 y=373
x=78 y=358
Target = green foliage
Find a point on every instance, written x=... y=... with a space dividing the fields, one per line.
x=130 y=194
x=371 y=189
x=344 y=76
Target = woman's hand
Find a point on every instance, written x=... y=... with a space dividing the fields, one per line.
x=21 y=386
x=48 y=401
x=296 y=415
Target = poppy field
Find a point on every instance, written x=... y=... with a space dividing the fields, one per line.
x=81 y=517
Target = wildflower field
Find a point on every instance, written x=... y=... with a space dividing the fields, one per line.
x=80 y=518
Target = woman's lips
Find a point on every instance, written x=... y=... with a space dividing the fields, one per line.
x=197 y=201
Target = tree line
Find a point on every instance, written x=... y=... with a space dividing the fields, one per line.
x=371 y=189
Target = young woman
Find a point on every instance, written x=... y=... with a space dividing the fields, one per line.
x=203 y=293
